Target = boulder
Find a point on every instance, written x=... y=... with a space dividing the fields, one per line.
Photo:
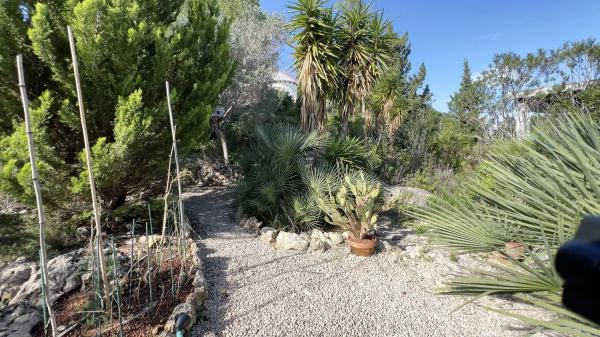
x=336 y=238
x=268 y=234
x=286 y=240
x=317 y=245
x=18 y=320
x=408 y=195
x=14 y=276
x=63 y=276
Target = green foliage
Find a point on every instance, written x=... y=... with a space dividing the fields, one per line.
x=452 y=144
x=350 y=202
x=531 y=275
x=468 y=103
x=366 y=42
x=272 y=188
x=16 y=238
x=315 y=58
x=126 y=51
x=284 y=166
x=543 y=188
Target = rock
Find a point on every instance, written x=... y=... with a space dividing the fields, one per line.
x=317 y=245
x=83 y=233
x=408 y=195
x=251 y=224
x=268 y=234
x=346 y=235
x=286 y=240
x=384 y=246
x=185 y=308
x=414 y=252
x=86 y=280
x=18 y=320
x=336 y=238
x=317 y=233
x=63 y=276
x=14 y=276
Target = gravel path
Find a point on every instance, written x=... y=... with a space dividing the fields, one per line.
x=255 y=290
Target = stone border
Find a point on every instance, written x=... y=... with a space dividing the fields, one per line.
x=195 y=301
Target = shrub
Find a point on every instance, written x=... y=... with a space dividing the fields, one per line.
x=536 y=191
x=122 y=70
x=278 y=169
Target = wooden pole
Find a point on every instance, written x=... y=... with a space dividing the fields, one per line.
x=38 y=197
x=180 y=203
x=88 y=156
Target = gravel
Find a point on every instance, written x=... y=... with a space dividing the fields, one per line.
x=255 y=290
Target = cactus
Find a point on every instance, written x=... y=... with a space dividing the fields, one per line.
x=354 y=206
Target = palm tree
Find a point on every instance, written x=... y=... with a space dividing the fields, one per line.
x=315 y=58
x=366 y=43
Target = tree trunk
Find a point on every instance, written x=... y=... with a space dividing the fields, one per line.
x=223 y=139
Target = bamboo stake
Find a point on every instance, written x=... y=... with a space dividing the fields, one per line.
x=149 y=264
x=167 y=190
x=180 y=203
x=131 y=262
x=118 y=293
x=88 y=155
x=38 y=195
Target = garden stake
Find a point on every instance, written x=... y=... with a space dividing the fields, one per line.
x=168 y=188
x=149 y=264
x=171 y=268
x=118 y=290
x=180 y=204
x=88 y=155
x=131 y=263
x=38 y=194
x=44 y=309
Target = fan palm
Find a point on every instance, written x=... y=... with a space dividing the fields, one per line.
x=530 y=192
x=315 y=58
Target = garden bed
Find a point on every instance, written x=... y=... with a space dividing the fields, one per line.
x=175 y=278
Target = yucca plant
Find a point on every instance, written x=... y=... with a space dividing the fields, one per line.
x=315 y=58
x=366 y=41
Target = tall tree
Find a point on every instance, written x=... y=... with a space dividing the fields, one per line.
x=254 y=41
x=468 y=103
x=366 y=42
x=126 y=51
x=14 y=22
x=316 y=58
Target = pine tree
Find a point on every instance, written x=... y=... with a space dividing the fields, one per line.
x=467 y=104
x=126 y=50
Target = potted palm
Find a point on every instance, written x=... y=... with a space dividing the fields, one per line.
x=354 y=207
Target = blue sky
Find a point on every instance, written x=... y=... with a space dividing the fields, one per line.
x=445 y=32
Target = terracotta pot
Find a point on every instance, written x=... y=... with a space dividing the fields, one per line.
x=362 y=247
x=515 y=250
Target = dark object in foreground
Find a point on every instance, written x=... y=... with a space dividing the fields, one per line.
x=181 y=321
x=578 y=263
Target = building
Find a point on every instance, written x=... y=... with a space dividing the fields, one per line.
x=537 y=101
x=285 y=82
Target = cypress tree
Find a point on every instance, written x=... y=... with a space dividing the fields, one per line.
x=126 y=50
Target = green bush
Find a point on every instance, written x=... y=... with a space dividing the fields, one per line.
x=123 y=69
x=277 y=167
x=534 y=192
